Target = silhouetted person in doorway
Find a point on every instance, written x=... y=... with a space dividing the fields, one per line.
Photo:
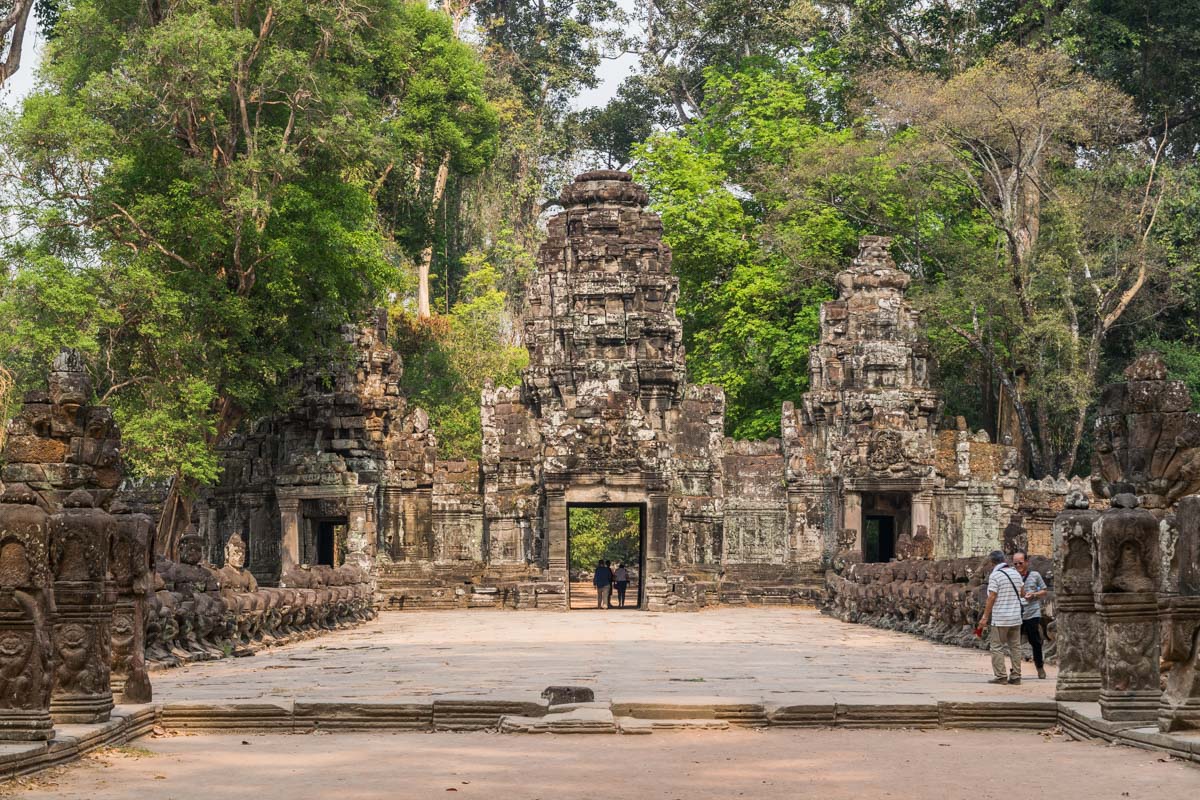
x=602 y=580
x=621 y=579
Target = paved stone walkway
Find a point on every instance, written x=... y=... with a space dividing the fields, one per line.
x=758 y=654
x=788 y=765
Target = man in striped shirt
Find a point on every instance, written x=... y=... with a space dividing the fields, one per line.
x=1003 y=612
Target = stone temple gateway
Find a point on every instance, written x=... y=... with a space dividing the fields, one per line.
x=604 y=415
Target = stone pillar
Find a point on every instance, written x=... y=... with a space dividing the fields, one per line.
x=131 y=565
x=358 y=536
x=1180 y=705
x=1127 y=584
x=207 y=530
x=806 y=518
x=657 y=516
x=79 y=545
x=26 y=619
x=391 y=521
x=289 y=526
x=556 y=532
x=1080 y=637
x=852 y=518
x=922 y=513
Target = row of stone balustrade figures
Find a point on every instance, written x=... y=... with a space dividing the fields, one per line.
x=939 y=600
x=197 y=612
x=83 y=609
x=1129 y=611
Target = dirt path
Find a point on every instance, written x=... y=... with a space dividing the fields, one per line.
x=826 y=764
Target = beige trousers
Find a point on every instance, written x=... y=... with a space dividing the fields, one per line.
x=1003 y=638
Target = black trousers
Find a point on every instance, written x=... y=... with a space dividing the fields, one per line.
x=1032 y=628
x=621 y=587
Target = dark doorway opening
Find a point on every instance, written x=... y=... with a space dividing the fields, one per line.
x=328 y=539
x=886 y=517
x=879 y=538
x=606 y=532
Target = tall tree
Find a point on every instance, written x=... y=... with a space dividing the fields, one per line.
x=1012 y=129
x=197 y=184
x=14 y=19
x=432 y=89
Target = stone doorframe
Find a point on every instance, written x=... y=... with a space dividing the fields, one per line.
x=650 y=491
x=920 y=490
x=360 y=521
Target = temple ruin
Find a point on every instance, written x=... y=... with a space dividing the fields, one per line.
x=870 y=503
x=863 y=469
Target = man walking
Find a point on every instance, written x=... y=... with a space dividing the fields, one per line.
x=602 y=580
x=1031 y=614
x=1003 y=613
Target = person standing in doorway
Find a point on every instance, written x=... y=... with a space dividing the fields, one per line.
x=608 y=596
x=602 y=580
x=1031 y=614
x=1003 y=613
x=621 y=578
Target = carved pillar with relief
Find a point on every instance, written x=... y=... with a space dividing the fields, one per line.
x=359 y=530
x=1080 y=637
x=1180 y=705
x=131 y=566
x=1127 y=584
x=79 y=546
x=26 y=619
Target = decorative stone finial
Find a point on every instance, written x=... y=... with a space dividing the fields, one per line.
x=604 y=187
x=873 y=268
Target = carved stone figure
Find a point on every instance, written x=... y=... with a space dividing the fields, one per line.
x=26 y=619
x=885 y=448
x=1080 y=637
x=201 y=610
x=1126 y=584
x=131 y=565
x=80 y=541
x=1180 y=705
x=1147 y=440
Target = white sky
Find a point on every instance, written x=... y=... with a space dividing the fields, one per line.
x=21 y=84
x=611 y=72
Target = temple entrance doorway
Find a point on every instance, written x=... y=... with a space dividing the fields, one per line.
x=327 y=542
x=610 y=532
x=886 y=516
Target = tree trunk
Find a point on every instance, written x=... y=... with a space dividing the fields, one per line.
x=439 y=189
x=423 y=311
x=177 y=507
x=176 y=516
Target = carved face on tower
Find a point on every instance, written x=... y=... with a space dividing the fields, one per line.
x=70 y=385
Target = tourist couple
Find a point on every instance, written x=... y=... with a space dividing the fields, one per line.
x=1014 y=604
x=604 y=580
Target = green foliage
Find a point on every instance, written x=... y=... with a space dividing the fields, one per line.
x=431 y=86
x=198 y=197
x=448 y=359
x=613 y=534
x=750 y=315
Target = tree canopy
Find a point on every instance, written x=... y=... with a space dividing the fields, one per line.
x=199 y=194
